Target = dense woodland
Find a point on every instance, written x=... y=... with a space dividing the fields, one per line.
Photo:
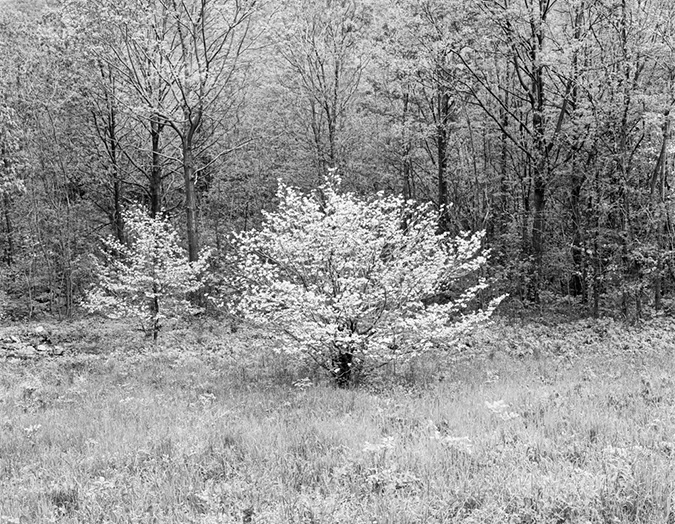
x=545 y=123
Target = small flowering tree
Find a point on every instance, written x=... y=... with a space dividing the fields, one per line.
x=347 y=280
x=150 y=279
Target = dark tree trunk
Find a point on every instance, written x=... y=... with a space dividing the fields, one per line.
x=156 y=128
x=9 y=231
x=597 y=257
x=538 y=225
x=577 y=280
x=343 y=371
x=190 y=204
x=502 y=204
x=442 y=158
x=154 y=306
x=118 y=192
x=118 y=188
x=539 y=158
x=658 y=188
x=106 y=127
x=406 y=147
x=189 y=174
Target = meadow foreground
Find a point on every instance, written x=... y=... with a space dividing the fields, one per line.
x=524 y=424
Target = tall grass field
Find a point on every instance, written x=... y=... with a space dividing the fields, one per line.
x=520 y=423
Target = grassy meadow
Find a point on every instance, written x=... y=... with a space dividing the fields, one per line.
x=523 y=423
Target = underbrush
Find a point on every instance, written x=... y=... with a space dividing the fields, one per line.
x=519 y=423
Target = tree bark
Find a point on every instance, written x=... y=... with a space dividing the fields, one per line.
x=577 y=280
x=343 y=372
x=539 y=158
x=9 y=230
x=156 y=128
x=108 y=134
x=406 y=147
x=538 y=232
x=113 y=151
x=190 y=200
x=442 y=158
x=658 y=186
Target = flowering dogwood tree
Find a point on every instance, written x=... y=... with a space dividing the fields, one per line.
x=344 y=280
x=149 y=279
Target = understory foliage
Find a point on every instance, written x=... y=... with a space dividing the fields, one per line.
x=150 y=278
x=346 y=280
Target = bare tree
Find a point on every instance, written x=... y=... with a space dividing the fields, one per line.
x=203 y=64
x=320 y=43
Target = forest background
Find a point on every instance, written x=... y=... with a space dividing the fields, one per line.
x=545 y=123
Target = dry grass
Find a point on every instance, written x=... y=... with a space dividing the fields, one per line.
x=210 y=429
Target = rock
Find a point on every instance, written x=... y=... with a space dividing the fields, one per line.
x=25 y=352
x=14 y=347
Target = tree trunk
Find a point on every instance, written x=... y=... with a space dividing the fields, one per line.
x=118 y=221
x=156 y=128
x=343 y=371
x=118 y=192
x=331 y=118
x=107 y=131
x=154 y=307
x=406 y=147
x=442 y=158
x=9 y=231
x=190 y=201
x=539 y=157
x=658 y=186
x=577 y=280
x=538 y=225
x=597 y=256
x=502 y=204
x=68 y=287
x=623 y=161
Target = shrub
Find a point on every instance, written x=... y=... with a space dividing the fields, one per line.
x=150 y=278
x=346 y=280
